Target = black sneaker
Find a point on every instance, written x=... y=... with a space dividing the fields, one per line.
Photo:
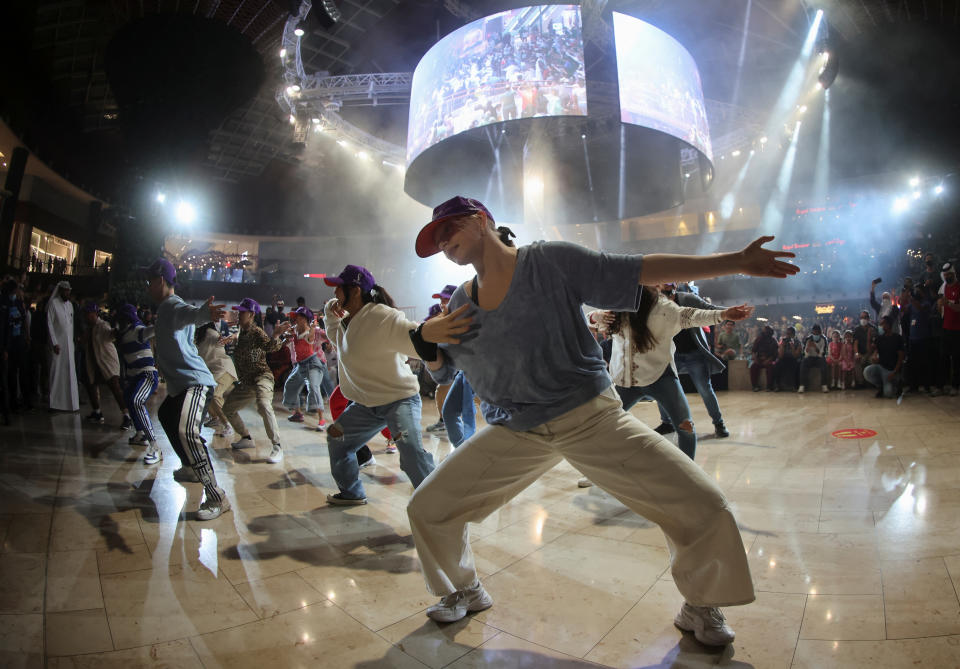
x=721 y=430
x=95 y=417
x=664 y=428
x=437 y=427
x=127 y=423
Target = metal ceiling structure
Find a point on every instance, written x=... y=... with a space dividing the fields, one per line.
x=70 y=36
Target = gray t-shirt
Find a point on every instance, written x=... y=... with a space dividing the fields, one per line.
x=533 y=358
x=176 y=354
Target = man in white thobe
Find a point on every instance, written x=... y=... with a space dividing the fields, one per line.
x=64 y=395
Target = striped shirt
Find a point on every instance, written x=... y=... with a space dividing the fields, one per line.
x=134 y=345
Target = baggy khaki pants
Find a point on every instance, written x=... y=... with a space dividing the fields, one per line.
x=616 y=451
x=261 y=393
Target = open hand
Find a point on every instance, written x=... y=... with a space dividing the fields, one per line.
x=443 y=329
x=758 y=261
x=217 y=311
x=737 y=313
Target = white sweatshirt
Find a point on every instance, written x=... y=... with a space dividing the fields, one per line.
x=373 y=352
x=666 y=319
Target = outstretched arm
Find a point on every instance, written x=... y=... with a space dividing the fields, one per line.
x=754 y=260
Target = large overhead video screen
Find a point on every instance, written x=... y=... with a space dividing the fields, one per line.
x=659 y=83
x=521 y=63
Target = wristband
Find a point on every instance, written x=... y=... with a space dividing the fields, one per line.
x=426 y=350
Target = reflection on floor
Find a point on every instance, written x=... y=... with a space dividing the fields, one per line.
x=853 y=546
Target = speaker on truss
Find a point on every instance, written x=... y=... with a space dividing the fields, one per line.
x=327 y=13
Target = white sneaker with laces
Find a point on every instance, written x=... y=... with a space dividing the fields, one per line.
x=224 y=430
x=153 y=455
x=208 y=510
x=456 y=606
x=276 y=454
x=369 y=463
x=243 y=442
x=800 y=389
x=707 y=624
x=825 y=389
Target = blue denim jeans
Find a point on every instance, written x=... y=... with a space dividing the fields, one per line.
x=459 y=413
x=668 y=393
x=307 y=372
x=327 y=385
x=358 y=424
x=876 y=375
x=698 y=367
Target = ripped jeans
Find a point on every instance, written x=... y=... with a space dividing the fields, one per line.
x=358 y=424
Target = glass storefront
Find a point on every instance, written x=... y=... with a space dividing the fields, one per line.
x=49 y=253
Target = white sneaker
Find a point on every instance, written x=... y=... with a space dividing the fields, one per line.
x=842 y=386
x=153 y=455
x=584 y=483
x=707 y=624
x=276 y=454
x=243 y=442
x=457 y=605
x=209 y=511
x=825 y=389
x=800 y=389
x=224 y=430
x=369 y=463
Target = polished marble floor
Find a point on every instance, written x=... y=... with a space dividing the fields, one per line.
x=854 y=547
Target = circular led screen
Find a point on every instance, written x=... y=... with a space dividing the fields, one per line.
x=521 y=63
x=659 y=84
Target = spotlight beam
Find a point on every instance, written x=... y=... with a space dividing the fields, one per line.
x=773 y=212
x=821 y=174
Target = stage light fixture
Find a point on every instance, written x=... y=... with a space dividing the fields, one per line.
x=914 y=182
x=161 y=197
x=283 y=53
x=938 y=189
x=735 y=153
x=763 y=140
x=342 y=142
x=916 y=195
x=299 y=30
x=293 y=119
x=363 y=155
x=315 y=121
x=185 y=213
x=900 y=205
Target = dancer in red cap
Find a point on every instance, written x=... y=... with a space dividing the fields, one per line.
x=518 y=331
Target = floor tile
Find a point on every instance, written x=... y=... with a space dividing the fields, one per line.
x=172 y=654
x=78 y=632
x=843 y=618
x=318 y=635
x=21 y=641
x=146 y=607
x=73 y=581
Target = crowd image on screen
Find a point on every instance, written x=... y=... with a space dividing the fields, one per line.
x=660 y=86
x=519 y=64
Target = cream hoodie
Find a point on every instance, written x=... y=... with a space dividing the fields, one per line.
x=373 y=352
x=666 y=319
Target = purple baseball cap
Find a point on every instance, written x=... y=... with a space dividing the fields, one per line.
x=305 y=312
x=248 y=304
x=453 y=208
x=352 y=275
x=446 y=293
x=162 y=267
x=129 y=312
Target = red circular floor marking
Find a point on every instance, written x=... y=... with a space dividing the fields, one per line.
x=855 y=433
